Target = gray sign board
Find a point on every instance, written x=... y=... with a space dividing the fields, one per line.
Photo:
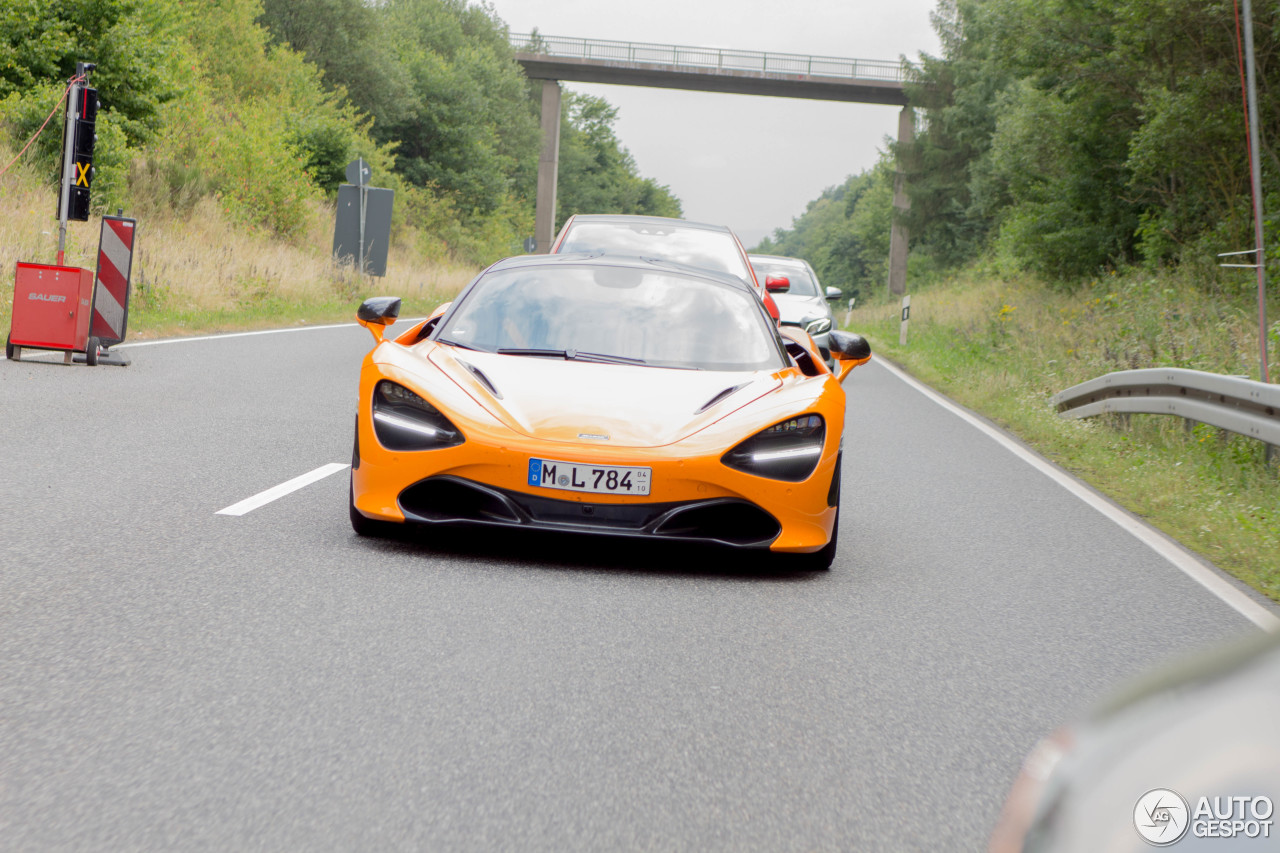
x=347 y=246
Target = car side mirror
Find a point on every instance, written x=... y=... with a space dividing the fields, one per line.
x=834 y=294
x=850 y=350
x=777 y=283
x=378 y=312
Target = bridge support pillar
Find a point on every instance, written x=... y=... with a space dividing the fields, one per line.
x=898 y=235
x=548 y=166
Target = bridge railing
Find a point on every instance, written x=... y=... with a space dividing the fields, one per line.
x=1233 y=403
x=708 y=58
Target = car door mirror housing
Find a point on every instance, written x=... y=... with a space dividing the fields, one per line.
x=378 y=312
x=850 y=350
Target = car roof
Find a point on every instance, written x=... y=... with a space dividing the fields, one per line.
x=624 y=219
x=800 y=262
x=629 y=261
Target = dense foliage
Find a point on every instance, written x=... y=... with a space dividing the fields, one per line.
x=262 y=103
x=1064 y=137
x=1074 y=135
x=844 y=233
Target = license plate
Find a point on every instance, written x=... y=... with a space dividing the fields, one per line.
x=581 y=477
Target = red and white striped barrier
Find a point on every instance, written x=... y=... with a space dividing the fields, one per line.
x=111 y=289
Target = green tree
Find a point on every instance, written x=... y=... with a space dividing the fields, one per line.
x=1084 y=134
x=952 y=211
x=596 y=173
x=41 y=41
x=350 y=41
x=470 y=130
x=844 y=233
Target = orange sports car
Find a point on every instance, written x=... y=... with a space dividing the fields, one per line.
x=604 y=395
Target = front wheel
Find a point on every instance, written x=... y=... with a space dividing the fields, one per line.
x=8 y=347
x=91 y=352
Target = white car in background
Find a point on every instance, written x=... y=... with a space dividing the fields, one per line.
x=802 y=301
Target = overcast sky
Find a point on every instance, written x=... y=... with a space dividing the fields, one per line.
x=749 y=162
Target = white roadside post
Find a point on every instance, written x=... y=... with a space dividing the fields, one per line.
x=906 y=314
x=848 y=315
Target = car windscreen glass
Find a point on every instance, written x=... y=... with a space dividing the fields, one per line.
x=695 y=247
x=657 y=318
x=802 y=284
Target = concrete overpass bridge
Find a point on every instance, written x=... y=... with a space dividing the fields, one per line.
x=707 y=69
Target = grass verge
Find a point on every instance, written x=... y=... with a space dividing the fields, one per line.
x=198 y=272
x=1005 y=348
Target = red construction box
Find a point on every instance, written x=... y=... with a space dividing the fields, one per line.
x=52 y=307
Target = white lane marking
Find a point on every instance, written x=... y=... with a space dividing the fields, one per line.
x=1256 y=613
x=254 y=334
x=263 y=498
x=409 y=320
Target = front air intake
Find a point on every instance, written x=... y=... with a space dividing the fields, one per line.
x=731 y=522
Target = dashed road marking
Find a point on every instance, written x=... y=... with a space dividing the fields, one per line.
x=275 y=492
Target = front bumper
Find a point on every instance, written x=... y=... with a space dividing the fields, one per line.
x=458 y=501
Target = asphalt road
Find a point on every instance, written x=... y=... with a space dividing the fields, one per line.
x=176 y=679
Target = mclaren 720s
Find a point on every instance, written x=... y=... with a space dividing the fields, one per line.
x=607 y=395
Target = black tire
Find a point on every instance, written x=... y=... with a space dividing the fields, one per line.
x=91 y=352
x=8 y=347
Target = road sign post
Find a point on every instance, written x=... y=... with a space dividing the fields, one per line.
x=362 y=230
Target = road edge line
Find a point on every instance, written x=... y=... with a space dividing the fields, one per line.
x=1158 y=542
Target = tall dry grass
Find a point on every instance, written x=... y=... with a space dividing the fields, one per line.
x=196 y=270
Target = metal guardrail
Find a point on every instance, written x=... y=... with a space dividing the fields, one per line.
x=708 y=58
x=1232 y=403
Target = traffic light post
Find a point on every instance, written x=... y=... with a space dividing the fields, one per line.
x=56 y=307
x=78 y=139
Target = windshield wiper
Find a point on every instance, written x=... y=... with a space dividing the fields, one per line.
x=571 y=355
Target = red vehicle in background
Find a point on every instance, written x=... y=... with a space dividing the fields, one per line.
x=695 y=244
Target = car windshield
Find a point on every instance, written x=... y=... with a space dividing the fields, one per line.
x=695 y=247
x=613 y=313
x=802 y=284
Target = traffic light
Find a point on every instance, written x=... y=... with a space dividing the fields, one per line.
x=83 y=139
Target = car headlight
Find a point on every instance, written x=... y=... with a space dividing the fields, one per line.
x=402 y=420
x=786 y=451
x=818 y=326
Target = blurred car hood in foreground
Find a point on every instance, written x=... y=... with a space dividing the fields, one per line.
x=1190 y=757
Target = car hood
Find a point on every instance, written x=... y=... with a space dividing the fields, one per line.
x=615 y=405
x=794 y=309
